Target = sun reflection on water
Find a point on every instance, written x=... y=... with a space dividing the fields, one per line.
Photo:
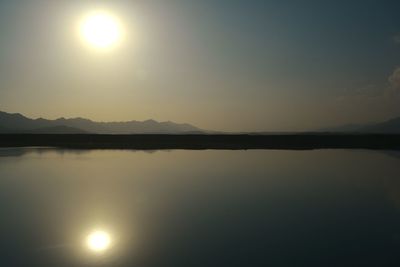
x=98 y=241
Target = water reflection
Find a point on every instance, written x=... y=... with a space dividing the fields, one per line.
x=98 y=241
x=200 y=208
x=22 y=151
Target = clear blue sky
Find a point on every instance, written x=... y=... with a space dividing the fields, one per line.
x=218 y=64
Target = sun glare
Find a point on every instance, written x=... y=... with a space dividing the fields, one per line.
x=101 y=30
x=98 y=241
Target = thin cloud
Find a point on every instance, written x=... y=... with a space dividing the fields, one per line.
x=396 y=38
x=394 y=80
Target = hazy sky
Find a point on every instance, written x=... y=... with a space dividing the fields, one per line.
x=218 y=64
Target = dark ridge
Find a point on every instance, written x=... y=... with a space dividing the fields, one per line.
x=153 y=142
x=57 y=130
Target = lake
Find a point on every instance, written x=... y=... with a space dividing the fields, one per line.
x=199 y=208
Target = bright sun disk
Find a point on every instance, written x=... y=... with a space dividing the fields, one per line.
x=101 y=29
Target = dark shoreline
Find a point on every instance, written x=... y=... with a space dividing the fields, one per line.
x=228 y=142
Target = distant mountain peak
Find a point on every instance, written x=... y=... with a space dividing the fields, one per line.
x=18 y=123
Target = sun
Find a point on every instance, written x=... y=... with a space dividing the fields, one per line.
x=101 y=30
x=98 y=241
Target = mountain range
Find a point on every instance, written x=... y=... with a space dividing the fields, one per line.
x=17 y=123
x=391 y=126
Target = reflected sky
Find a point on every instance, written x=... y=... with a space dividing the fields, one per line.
x=199 y=208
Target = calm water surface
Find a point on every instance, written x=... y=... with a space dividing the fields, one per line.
x=200 y=208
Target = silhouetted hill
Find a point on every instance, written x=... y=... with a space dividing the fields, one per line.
x=3 y=130
x=388 y=127
x=17 y=123
x=57 y=130
x=344 y=128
